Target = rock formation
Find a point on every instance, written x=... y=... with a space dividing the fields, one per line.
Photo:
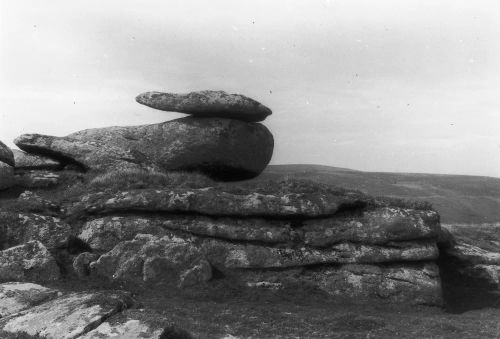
x=342 y=242
x=222 y=148
x=292 y=235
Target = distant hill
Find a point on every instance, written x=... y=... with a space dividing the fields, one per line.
x=458 y=198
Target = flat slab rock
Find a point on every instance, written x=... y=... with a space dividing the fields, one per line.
x=222 y=148
x=217 y=202
x=18 y=296
x=28 y=262
x=207 y=104
x=378 y=226
x=66 y=317
x=133 y=324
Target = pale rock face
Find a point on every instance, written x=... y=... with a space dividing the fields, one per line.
x=66 y=317
x=17 y=296
x=222 y=148
x=476 y=251
x=28 y=262
x=28 y=161
x=6 y=155
x=7 y=178
x=207 y=104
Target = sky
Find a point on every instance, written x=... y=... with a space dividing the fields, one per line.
x=386 y=85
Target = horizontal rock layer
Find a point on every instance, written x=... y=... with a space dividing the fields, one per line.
x=207 y=104
x=217 y=202
x=129 y=260
x=222 y=148
x=378 y=226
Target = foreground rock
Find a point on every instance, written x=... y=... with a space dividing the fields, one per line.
x=16 y=296
x=69 y=316
x=28 y=262
x=6 y=155
x=207 y=104
x=221 y=148
x=26 y=161
x=137 y=324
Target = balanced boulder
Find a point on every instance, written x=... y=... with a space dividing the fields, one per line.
x=207 y=104
x=222 y=148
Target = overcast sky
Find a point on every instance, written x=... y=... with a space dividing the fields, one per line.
x=392 y=85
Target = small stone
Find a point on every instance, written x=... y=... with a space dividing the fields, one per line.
x=81 y=264
x=200 y=273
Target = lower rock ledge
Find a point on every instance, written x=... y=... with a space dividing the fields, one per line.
x=416 y=284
